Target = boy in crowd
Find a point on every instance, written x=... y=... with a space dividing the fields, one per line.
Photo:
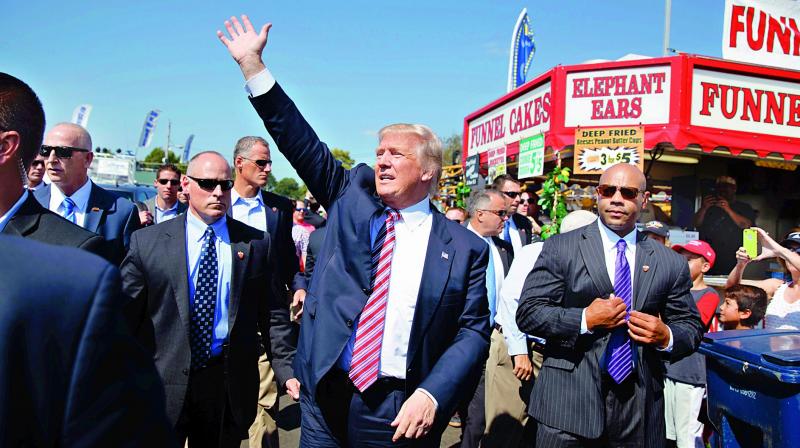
x=685 y=379
x=743 y=308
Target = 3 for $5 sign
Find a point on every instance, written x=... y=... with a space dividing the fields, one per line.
x=598 y=149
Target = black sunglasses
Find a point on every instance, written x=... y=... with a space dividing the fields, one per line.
x=500 y=213
x=530 y=201
x=512 y=194
x=62 y=152
x=608 y=191
x=212 y=184
x=299 y=209
x=262 y=163
x=36 y=163
x=173 y=182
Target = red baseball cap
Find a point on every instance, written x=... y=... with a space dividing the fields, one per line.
x=698 y=247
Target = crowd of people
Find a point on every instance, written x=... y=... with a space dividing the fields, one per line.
x=183 y=319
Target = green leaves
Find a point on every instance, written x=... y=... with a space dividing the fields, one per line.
x=552 y=200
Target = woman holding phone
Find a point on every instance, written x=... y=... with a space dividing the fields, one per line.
x=783 y=311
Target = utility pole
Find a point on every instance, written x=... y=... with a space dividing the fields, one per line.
x=667 y=13
x=169 y=135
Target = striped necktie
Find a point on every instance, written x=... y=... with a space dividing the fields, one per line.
x=369 y=334
x=619 y=352
x=69 y=210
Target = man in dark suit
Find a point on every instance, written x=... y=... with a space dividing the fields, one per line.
x=199 y=285
x=396 y=319
x=610 y=303
x=165 y=204
x=68 y=152
x=487 y=211
x=71 y=375
x=518 y=229
x=272 y=214
x=22 y=125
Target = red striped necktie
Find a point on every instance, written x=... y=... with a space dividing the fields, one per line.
x=369 y=334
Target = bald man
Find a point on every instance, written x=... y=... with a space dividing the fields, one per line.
x=200 y=291
x=611 y=305
x=67 y=150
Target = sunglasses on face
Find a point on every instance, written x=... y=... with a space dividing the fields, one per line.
x=37 y=163
x=500 y=213
x=172 y=182
x=62 y=152
x=529 y=201
x=212 y=184
x=262 y=163
x=512 y=194
x=608 y=191
x=299 y=209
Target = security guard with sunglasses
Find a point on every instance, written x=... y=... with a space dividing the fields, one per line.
x=165 y=204
x=68 y=155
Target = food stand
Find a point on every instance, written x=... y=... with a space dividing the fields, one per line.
x=701 y=117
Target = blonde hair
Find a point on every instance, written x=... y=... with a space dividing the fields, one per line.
x=429 y=151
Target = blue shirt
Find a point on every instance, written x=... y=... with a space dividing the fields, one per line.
x=166 y=215
x=195 y=229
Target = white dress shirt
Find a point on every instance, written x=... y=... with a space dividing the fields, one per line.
x=195 y=231
x=513 y=232
x=80 y=198
x=508 y=300
x=10 y=213
x=499 y=272
x=609 y=240
x=249 y=210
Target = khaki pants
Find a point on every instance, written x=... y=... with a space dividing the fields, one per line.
x=506 y=395
x=264 y=431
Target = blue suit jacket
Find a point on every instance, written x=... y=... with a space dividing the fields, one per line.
x=72 y=375
x=449 y=338
x=110 y=216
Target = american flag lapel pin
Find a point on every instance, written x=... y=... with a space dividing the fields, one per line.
x=274 y=209
x=95 y=209
x=445 y=255
x=240 y=254
x=645 y=268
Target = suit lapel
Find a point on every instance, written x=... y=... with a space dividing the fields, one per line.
x=642 y=279
x=25 y=219
x=94 y=210
x=272 y=216
x=175 y=244
x=435 y=273
x=362 y=256
x=591 y=248
x=239 y=268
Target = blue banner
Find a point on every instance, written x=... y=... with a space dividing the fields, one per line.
x=149 y=128
x=187 y=149
x=523 y=48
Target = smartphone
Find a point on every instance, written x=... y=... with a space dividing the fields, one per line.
x=750 y=242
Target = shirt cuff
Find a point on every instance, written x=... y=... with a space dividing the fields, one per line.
x=584 y=326
x=435 y=403
x=517 y=346
x=259 y=84
x=668 y=348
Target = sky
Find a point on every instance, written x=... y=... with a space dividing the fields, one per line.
x=352 y=67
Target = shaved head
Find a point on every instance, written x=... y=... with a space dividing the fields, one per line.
x=206 y=158
x=69 y=132
x=630 y=172
x=621 y=196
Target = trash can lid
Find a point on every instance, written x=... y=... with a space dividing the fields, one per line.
x=777 y=350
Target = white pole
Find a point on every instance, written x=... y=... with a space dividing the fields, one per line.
x=667 y=13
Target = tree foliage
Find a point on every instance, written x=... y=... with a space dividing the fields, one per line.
x=552 y=200
x=343 y=156
x=451 y=150
x=290 y=188
x=157 y=156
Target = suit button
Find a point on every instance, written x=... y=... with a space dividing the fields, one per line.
x=408 y=371
x=186 y=372
x=366 y=291
x=349 y=323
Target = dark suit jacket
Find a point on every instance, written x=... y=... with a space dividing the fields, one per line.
x=506 y=252
x=40 y=224
x=449 y=337
x=151 y=206
x=156 y=278
x=279 y=210
x=110 y=216
x=71 y=375
x=569 y=274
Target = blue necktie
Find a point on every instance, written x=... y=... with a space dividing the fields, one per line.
x=619 y=352
x=506 y=234
x=69 y=209
x=205 y=301
x=491 y=286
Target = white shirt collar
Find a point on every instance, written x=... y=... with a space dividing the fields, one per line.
x=488 y=239
x=80 y=197
x=163 y=210
x=196 y=228
x=416 y=214
x=610 y=238
x=236 y=198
